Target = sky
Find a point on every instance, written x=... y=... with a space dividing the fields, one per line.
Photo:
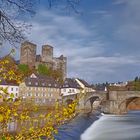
x=101 y=42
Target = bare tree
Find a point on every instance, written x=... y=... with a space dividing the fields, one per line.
x=12 y=29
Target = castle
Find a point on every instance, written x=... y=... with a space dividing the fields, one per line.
x=29 y=57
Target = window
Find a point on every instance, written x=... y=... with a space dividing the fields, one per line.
x=29 y=83
x=29 y=94
x=49 y=85
x=12 y=89
x=16 y=94
x=43 y=84
x=64 y=90
x=70 y=90
x=36 y=94
x=36 y=83
x=16 y=89
x=49 y=94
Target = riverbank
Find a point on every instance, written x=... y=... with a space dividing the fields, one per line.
x=73 y=129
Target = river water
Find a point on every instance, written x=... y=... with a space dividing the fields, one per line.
x=102 y=127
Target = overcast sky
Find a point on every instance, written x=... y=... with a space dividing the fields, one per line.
x=102 y=43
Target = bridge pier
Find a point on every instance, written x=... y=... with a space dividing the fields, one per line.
x=113 y=107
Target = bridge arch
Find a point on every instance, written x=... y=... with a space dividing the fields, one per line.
x=92 y=99
x=129 y=104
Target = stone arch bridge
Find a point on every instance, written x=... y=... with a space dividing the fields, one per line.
x=87 y=99
x=118 y=101
x=114 y=102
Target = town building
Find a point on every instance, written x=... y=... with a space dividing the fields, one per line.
x=84 y=85
x=40 y=90
x=70 y=87
x=11 y=90
x=28 y=55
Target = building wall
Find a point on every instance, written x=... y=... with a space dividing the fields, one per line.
x=28 y=54
x=47 y=53
x=69 y=91
x=60 y=63
x=11 y=90
x=40 y=95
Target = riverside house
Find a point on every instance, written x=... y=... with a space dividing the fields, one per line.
x=70 y=87
x=11 y=89
x=86 y=87
x=40 y=89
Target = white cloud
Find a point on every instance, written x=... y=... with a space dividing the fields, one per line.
x=87 y=54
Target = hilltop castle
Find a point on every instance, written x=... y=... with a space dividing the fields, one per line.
x=28 y=56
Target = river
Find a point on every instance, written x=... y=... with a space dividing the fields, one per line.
x=102 y=127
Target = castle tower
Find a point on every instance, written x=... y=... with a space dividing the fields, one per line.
x=28 y=54
x=60 y=63
x=47 y=53
x=63 y=66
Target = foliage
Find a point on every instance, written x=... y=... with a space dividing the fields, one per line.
x=20 y=112
x=23 y=68
x=57 y=75
x=43 y=69
x=8 y=70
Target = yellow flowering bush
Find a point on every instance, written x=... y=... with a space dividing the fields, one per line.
x=31 y=128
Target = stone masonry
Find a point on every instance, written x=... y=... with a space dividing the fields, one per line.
x=28 y=56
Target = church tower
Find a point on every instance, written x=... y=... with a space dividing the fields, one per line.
x=28 y=54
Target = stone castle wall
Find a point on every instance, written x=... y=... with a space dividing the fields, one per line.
x=28 y=56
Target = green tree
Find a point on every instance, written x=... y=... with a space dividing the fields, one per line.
x=43 y=69
x=24 y=69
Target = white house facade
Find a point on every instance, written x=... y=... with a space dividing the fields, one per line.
x=11 y=89
x=70 y=87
